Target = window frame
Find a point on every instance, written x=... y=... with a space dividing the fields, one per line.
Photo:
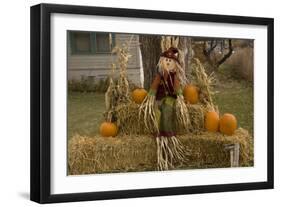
x=93 y=40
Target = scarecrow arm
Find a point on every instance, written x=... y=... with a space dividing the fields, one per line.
x=177 y=86
x=182 y=114
x=155 y=84
x=147 y=112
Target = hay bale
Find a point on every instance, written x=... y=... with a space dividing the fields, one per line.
x=207 y=149
x=87 y=155
x=196 y=114
x=128 y=119
x=120 y=154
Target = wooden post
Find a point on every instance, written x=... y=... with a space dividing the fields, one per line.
x=234 y=154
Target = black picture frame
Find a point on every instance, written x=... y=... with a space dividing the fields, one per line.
x=41 y=96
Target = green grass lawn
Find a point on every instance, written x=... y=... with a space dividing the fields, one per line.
x=85 y=110
x=237 y=98
x=85 y=113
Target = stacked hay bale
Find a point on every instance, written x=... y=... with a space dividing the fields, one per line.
x=125 y=153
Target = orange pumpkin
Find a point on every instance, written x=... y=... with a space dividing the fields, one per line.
x=228 y=124
x=108 y=129
x=190 y=93
x=139 y=95
x=212 y=120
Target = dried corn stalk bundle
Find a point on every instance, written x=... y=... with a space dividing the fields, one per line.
x=117 y=93
x=204 y=82
x=111 y=96
x=123 y=84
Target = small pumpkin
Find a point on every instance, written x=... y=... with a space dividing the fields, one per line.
x=190 y=93
x=108 y=129
x=212 y=121
x=228 y=124
x=138 y=95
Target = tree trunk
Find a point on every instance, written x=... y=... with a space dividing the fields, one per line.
x=185 y=47
x=150 y=51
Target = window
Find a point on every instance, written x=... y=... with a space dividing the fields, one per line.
x=102 y=43
x=82 y=42
x=89 y=43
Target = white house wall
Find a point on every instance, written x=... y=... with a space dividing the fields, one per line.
x=99 y=65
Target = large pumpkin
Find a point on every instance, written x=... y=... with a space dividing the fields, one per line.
x=228 y=124
x=138 y=95
x=190 y=93
x=108 y=129
x=212 y=121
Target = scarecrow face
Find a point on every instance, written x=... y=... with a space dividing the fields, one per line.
x=169 y=64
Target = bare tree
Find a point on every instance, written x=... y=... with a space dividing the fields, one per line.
x=209 y=52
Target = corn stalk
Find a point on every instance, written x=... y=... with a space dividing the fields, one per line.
x=117 y=93
x=204 y=82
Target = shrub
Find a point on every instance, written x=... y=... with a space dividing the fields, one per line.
x=88 y=85
x=242 y=63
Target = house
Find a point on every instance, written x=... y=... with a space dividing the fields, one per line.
x=89 y=55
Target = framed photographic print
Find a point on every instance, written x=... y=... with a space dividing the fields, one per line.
x=133 y=103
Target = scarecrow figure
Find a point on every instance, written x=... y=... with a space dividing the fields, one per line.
x=166 y=87
x=165 y=111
